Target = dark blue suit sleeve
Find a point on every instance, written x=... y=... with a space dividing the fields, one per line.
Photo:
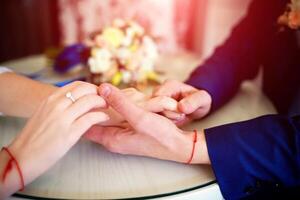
x=241 y=55
x=256 y=156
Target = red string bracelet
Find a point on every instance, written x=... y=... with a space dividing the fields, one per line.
x=18 y=167
x=193 y=149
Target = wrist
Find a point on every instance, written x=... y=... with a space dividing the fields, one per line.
x=25 y=160
x=184 y=146
x=10 y=180
x=43 y=91
x=198 y=154
x=201 y=152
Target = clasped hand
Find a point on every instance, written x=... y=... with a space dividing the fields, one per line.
x=124 y=122
x=143 y=131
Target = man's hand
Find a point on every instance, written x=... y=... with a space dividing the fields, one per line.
x=146 y=134
x=157 y=105
x=194 y=103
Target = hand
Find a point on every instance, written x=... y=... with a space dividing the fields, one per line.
x=146 y=134
x=194 y=103
x=157 y=105
x=54 y=128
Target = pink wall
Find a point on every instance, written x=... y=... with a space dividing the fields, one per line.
x=222 y=15
x=197 y=25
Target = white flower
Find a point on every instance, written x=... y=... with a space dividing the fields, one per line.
x=150 y=49
x=100 y=61
x=126 y=77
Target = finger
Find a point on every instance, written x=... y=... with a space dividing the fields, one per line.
x=134 y=95
x=100 y=134
x=82 y=124
x=119 y=140
x=173 y=115
x=77 y=89
x=193 y=102
x=173 y=88
x=166 y=89
x=117 y=100
x=95 y=134
x=82 y=90
x=199 y=113
x=63 y=90
x=160 y=104
x=185 y=120
x=112 y=138
x=83 y=105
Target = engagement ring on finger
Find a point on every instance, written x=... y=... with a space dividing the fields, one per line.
x=70 y=96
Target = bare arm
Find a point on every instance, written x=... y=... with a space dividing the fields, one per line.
x=57 y=125
x=20 y=96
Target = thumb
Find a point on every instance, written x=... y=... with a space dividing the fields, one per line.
x=193 y=102
x=118 y=101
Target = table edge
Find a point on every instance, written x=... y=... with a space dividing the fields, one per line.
x=133 y=198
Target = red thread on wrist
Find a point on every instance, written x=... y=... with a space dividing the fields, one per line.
x=193 y=149
x=9 y=167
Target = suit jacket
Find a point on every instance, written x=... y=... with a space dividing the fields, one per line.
x=260 y=156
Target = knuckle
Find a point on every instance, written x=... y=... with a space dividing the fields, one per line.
x=77 y=83
x=51 y=98
x=88 y=88
x=131 y=89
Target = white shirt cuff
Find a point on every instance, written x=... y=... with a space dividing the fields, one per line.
x=4 y=69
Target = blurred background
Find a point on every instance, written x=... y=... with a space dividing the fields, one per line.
x=31 y=26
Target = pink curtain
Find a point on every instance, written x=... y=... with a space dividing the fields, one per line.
x=171 y=21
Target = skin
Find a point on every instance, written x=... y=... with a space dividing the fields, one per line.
x=55 y=123
x=49 y=134
x=145 y=133
x=129 y=126
x=193 y=103
x=158 y=104
x=20 y=96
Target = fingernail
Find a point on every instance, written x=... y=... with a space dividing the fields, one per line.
x=180 y=117
x=105 y=91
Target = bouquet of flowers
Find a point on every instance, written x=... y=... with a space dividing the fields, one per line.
x=291 y=16
x=122 y=53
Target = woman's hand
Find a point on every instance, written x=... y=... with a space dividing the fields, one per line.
x=192 y=102
x=146 y=134
x=54 y=128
